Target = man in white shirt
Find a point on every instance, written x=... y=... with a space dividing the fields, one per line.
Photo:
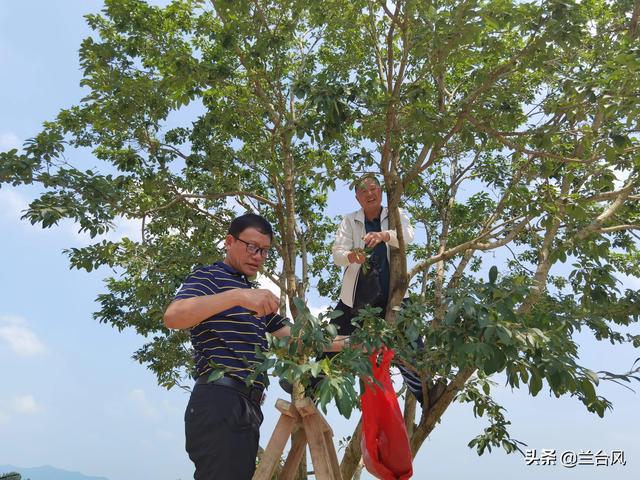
x=368 y=227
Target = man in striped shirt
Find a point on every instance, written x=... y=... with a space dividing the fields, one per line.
x=228 y=319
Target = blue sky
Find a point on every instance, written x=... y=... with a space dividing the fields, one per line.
x=70 y=395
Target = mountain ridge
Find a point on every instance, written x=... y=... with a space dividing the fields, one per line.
x=47 y=472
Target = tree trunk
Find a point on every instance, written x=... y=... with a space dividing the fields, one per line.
x=352 y=454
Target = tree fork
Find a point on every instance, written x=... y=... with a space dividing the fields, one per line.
x=429 y=421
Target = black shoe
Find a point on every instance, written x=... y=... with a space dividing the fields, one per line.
x=436 y=389
x=286 y=385
x=314 y=382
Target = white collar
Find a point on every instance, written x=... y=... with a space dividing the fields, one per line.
x=359 y=215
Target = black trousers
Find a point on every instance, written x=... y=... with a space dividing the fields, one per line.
x=222 y=430
x=343 y=322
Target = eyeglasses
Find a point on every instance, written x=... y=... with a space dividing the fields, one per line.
x=253 y=249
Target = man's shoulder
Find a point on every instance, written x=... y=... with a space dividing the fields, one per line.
x=212 y=271
x=354 y=215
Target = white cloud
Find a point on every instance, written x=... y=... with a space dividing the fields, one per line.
x=25 y=404
x=13 y=204
x=621 y=178
x=144 y=406
x=14 y=331
x=9 y=141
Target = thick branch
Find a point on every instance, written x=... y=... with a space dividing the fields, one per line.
x=409 y=413
x=596 y=225
x=471 y=244
x=374 y=41
x=633 y=23
x=544 y=256
x=406 y=47
x=431 y=417
x=604 y=196
x=617 y=228
x=390 y=56
x=352 y=453
x=457 y=275
x=276 y=280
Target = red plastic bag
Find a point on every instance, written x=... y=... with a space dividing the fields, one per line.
x=385 y=444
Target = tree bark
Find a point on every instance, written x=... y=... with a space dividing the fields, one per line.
x=352 y=454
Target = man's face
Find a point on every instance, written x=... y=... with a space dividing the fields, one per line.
x=369 y=195
x=238 y=251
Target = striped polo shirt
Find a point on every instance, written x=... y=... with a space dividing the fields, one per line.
x=228 y=338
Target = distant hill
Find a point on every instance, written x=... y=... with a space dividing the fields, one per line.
x=47 y=473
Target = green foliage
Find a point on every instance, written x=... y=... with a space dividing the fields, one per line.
x=298 y=359
x=496 y=435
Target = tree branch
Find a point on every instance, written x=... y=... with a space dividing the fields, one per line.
x=508 y=238
x=609 y=212
x=535 y=153
x=374 y=35
x=352 y=453
x=471 y=244
x=431 y=417
x=173 y=149
x=236 y=193
x=633 y=23
x=618 y=228
x=544 y=263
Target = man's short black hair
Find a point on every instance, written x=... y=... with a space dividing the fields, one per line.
x=358 y=183
x=250 y=220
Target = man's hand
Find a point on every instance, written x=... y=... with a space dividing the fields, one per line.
x=372 y=239
x=261 y=301
x=357 y=256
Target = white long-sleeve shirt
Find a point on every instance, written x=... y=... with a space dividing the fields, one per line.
x=349 y=236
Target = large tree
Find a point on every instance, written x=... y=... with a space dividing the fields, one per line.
x=501 y=126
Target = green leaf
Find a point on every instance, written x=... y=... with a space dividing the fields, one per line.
x=451 y=315
x=493 y=275
x=215 y=375
x=535 y=383
x=315 y=368
x=332 y=330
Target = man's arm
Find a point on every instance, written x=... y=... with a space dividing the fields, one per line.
x=340 y=342
x=343 y=244
x=188 y=312
x=342 y=249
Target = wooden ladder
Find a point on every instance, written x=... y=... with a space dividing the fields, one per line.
x=314 y=430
